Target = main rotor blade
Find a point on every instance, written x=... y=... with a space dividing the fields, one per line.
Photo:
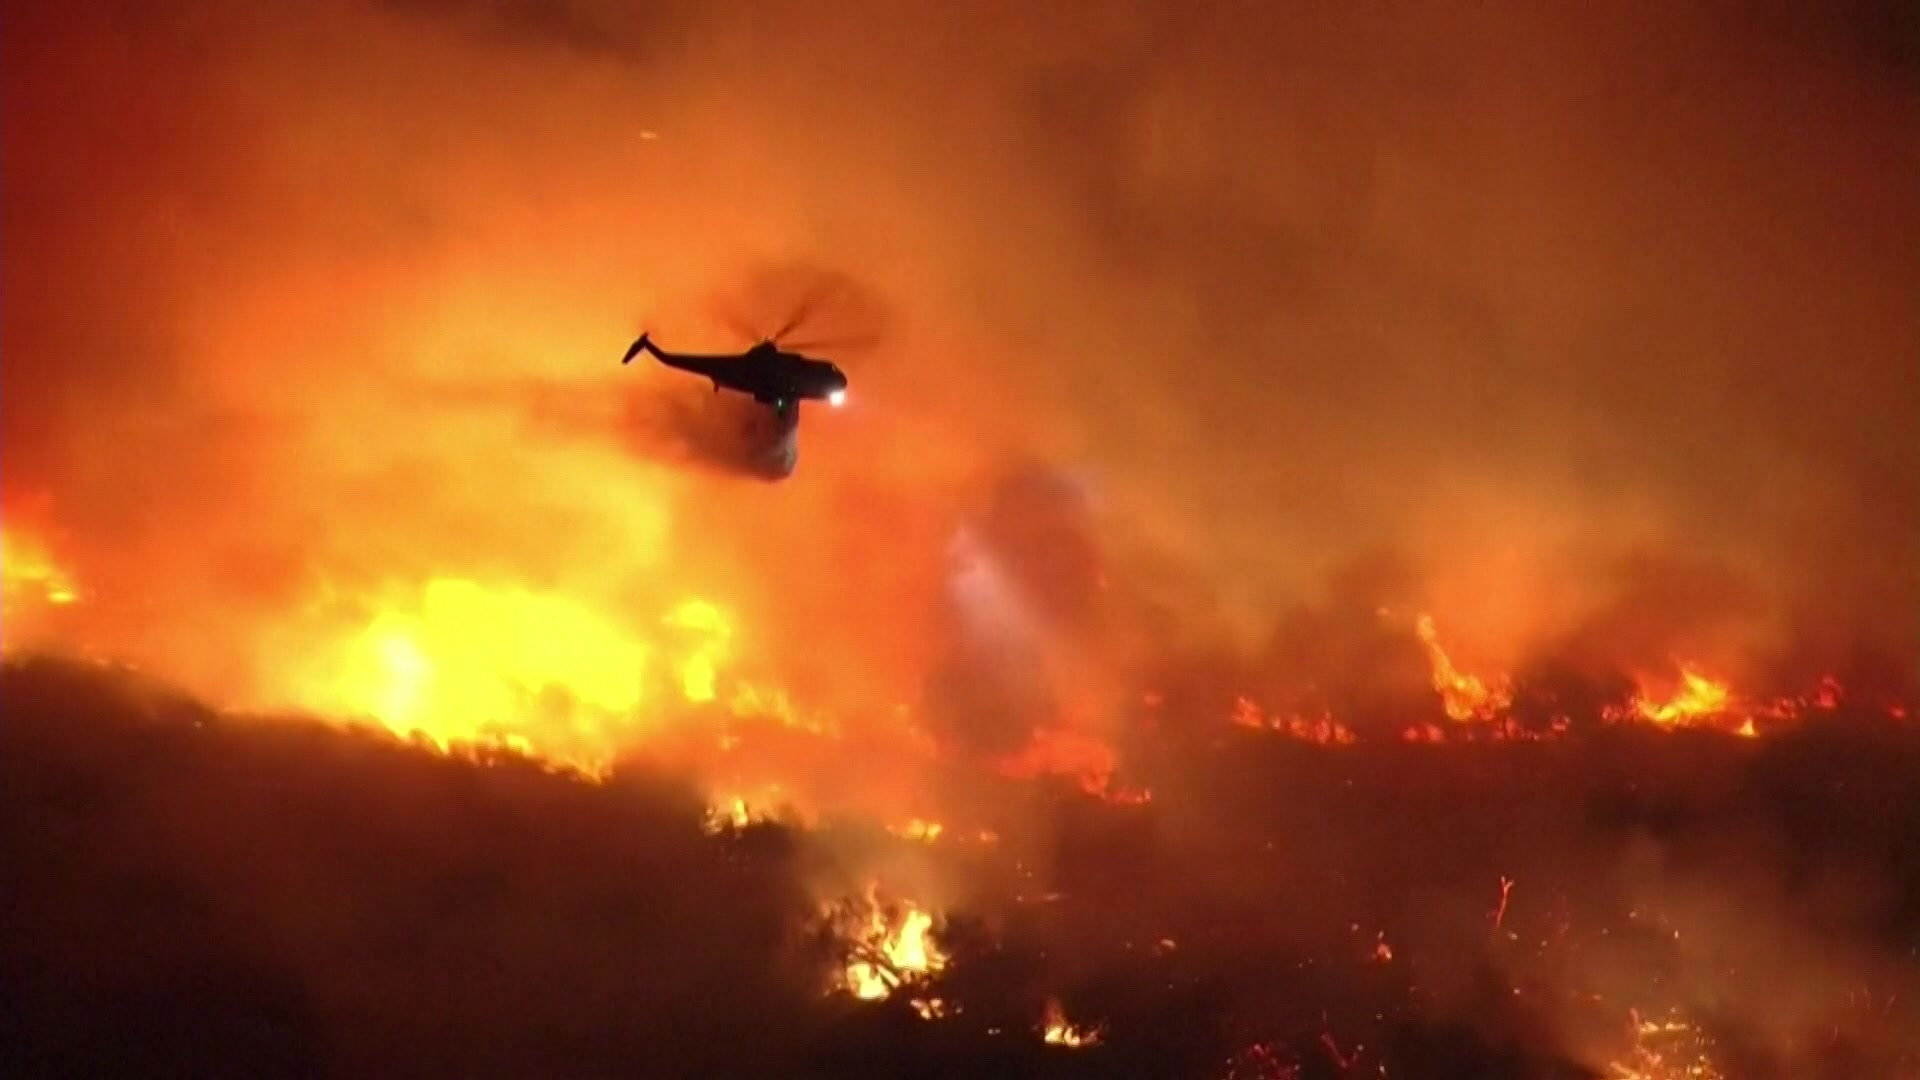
x=845 y=342
x=799 y=316
x=808 y=302
x=729 y=318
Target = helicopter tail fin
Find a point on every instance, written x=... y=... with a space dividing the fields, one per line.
x=633 y=350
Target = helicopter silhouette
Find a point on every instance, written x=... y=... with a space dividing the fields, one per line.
x=773 y=374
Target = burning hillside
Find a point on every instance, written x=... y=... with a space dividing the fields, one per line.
x=1400 y=866
x=219 y=894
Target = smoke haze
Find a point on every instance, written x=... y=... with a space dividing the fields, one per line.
x=1503 y=292
x=1213 y=347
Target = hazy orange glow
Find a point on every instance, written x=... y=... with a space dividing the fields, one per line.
x=380 y=461
x=28 y=573
x=1235 y=380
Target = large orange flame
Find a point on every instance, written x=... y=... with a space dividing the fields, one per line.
x=470 y=664
x=1464 y=697
x=888 y=946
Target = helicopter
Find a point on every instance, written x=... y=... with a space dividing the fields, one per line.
x=775 y=375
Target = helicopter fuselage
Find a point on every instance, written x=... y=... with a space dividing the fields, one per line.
x=771 y=375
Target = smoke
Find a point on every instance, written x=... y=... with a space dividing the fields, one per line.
x=1210 y=348
x=733 y=436
x=1507 y=295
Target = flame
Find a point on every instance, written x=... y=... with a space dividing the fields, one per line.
x=33 y=586
x=1322 y=729
x=1697 y=698
x=28 y=572
x=1464 y=697
x=1089 y=760
x=771 y=806
x=756 y=700
x=1057 y=1031
x=917 y=829
x=1697 y=701
x=697 y=671
x=468 y=664
x=888 y=946
x=733 y=814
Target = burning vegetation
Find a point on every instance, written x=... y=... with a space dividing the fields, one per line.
x=1680 y=883
x=511 y=825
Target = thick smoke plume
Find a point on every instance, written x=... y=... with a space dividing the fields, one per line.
x=1509 y=294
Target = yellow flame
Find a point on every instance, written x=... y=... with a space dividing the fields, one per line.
x=1465 y=697
x=471 y=660
x=469 y=664
x=770 y=806
x=1697 y=697
x=28 y=570
x=698 y=671
x=888 y=954
x=733 y=815
x=916 y=829
x=1057 y=1031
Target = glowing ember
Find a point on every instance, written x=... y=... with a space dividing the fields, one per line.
x=1499 y=916
x=1464 y=697
x=1669 y=1049
x=1057 y=1031
x=1322 y=729
x=1262 y=1061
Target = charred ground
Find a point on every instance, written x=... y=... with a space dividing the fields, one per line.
x=192 y=892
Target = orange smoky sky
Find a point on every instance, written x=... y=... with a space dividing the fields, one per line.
x=1598 y=318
